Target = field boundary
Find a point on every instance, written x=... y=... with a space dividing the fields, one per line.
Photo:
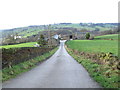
x=12 y=72
x=15 y=56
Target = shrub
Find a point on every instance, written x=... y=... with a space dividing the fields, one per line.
x=87 y=35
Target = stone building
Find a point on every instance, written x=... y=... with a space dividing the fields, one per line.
x=74 y=36
x=68 y=37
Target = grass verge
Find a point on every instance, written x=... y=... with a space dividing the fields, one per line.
x=96 y=71
x=11 y=72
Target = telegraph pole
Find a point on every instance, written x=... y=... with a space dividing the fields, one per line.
x=49 y=35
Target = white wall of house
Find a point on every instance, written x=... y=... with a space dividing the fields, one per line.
x=15 y=37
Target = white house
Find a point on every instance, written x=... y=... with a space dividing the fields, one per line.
x=56 y=36
x=15 y=37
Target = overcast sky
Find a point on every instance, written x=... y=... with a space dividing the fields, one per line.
x=20 y=13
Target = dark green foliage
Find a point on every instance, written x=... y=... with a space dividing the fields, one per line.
x=87 y=35
x=14 y=56
x=42 y=41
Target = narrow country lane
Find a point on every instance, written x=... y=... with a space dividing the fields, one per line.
x=59 y=71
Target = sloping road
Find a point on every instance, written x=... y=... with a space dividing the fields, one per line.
x=59 y=71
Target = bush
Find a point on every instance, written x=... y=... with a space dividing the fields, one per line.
x=87 y=35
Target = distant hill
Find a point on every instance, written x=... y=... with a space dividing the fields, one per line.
x=35 y=29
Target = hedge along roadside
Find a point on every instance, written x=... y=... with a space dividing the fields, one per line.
x=15 y=56
x=102 y=73
x=11 y=72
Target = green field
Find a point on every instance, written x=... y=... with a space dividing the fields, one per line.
x=94 y=46
x=111 y=36
x=30 y=44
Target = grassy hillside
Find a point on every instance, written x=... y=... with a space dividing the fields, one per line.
x=35 y=29
x=87 y=26
x=30 y=44
x=23 y=31
x=94 y=46
x=111 y=36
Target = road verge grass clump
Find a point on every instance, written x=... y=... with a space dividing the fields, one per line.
x=104 y=70
x=14 y=70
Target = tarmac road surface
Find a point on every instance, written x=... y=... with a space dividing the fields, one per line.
x=59 y=71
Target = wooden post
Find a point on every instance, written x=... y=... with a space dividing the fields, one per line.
x=49 y=34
